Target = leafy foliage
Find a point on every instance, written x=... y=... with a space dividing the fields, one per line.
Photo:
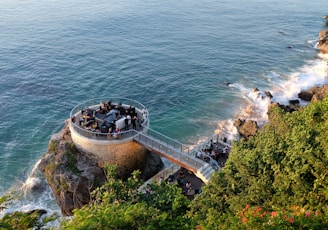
x=22 y=220
x=284 y=165
x=120 y=205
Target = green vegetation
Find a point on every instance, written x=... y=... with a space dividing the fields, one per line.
x=22 y=220
x=283 y=168
x=52 y=146
x=71 y=159
x=119 y=205
x=275 y=180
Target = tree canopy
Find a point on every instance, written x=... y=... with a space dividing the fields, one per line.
x=282 y=169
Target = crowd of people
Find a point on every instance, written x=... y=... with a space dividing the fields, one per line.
x=104 y=119
x=214 y=152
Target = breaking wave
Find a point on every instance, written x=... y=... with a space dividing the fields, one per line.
x=283 y=89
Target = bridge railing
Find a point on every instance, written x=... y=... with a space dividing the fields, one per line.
x=218 y=138
x=167 y=140
x=170 y=148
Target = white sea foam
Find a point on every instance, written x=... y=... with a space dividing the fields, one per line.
x=313 y=73
x=36 y=195
x=34 y=183
x=313 y=42
x=283 y=89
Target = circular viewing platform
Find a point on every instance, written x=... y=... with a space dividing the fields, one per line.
x=109 y=119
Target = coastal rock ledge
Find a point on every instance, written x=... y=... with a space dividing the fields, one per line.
x=72 y=174
x=323 y=39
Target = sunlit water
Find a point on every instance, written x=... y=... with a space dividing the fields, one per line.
x=173 y=56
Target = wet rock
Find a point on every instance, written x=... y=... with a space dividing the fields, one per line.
x=246 y=128
x=294 y=102
x=268 y=94
x=307 y=95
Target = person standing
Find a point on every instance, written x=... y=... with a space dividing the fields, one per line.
x=126 y=121
x=134 y=122
x=144 y=114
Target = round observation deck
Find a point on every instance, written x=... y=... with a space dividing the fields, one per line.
x=104 y=128
x=114 y=119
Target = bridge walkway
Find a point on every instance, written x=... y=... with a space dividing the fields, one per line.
x=175 y=152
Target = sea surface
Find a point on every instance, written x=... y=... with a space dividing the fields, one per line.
x=175 y=57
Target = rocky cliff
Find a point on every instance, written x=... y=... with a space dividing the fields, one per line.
x=73 y=174
x=323 y=39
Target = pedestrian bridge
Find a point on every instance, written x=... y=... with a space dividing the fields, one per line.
x=93 y=139
x=176 y=152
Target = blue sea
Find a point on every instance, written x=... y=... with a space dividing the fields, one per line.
x=175 y=57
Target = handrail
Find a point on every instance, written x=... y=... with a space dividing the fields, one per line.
x=219 y=138
x=182 y=147
x=124 y=134
x=114 y=100
x=169 y=150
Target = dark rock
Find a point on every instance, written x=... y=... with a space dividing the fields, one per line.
x=294 y=102
x=246 y=128
x=268 y=94
x=308 y=94
x=40 y=212
x=286 y=108
x=153 y=165
x=316 y=93
x=305 y=96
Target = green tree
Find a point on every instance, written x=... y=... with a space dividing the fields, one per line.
x=22 y=220
x=120 y=205
x=284 y=165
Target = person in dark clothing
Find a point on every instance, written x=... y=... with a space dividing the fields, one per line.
x=134 y=122
x=126 y=121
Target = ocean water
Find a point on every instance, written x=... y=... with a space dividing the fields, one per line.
x=175 y=57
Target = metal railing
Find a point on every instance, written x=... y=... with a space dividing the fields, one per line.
x=218 y=138
x=169 y=148
x=167 y=141
x=95 y=103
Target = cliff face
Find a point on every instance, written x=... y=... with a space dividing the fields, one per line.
x=73 y=174
x=323 y=39
x=70 y=174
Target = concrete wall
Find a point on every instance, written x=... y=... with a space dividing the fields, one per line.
x=126 y=154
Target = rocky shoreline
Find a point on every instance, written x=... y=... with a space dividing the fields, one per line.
x=248 y=128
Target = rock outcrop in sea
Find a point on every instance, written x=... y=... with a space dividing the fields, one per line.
x=72 y=174
x=323 y=39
